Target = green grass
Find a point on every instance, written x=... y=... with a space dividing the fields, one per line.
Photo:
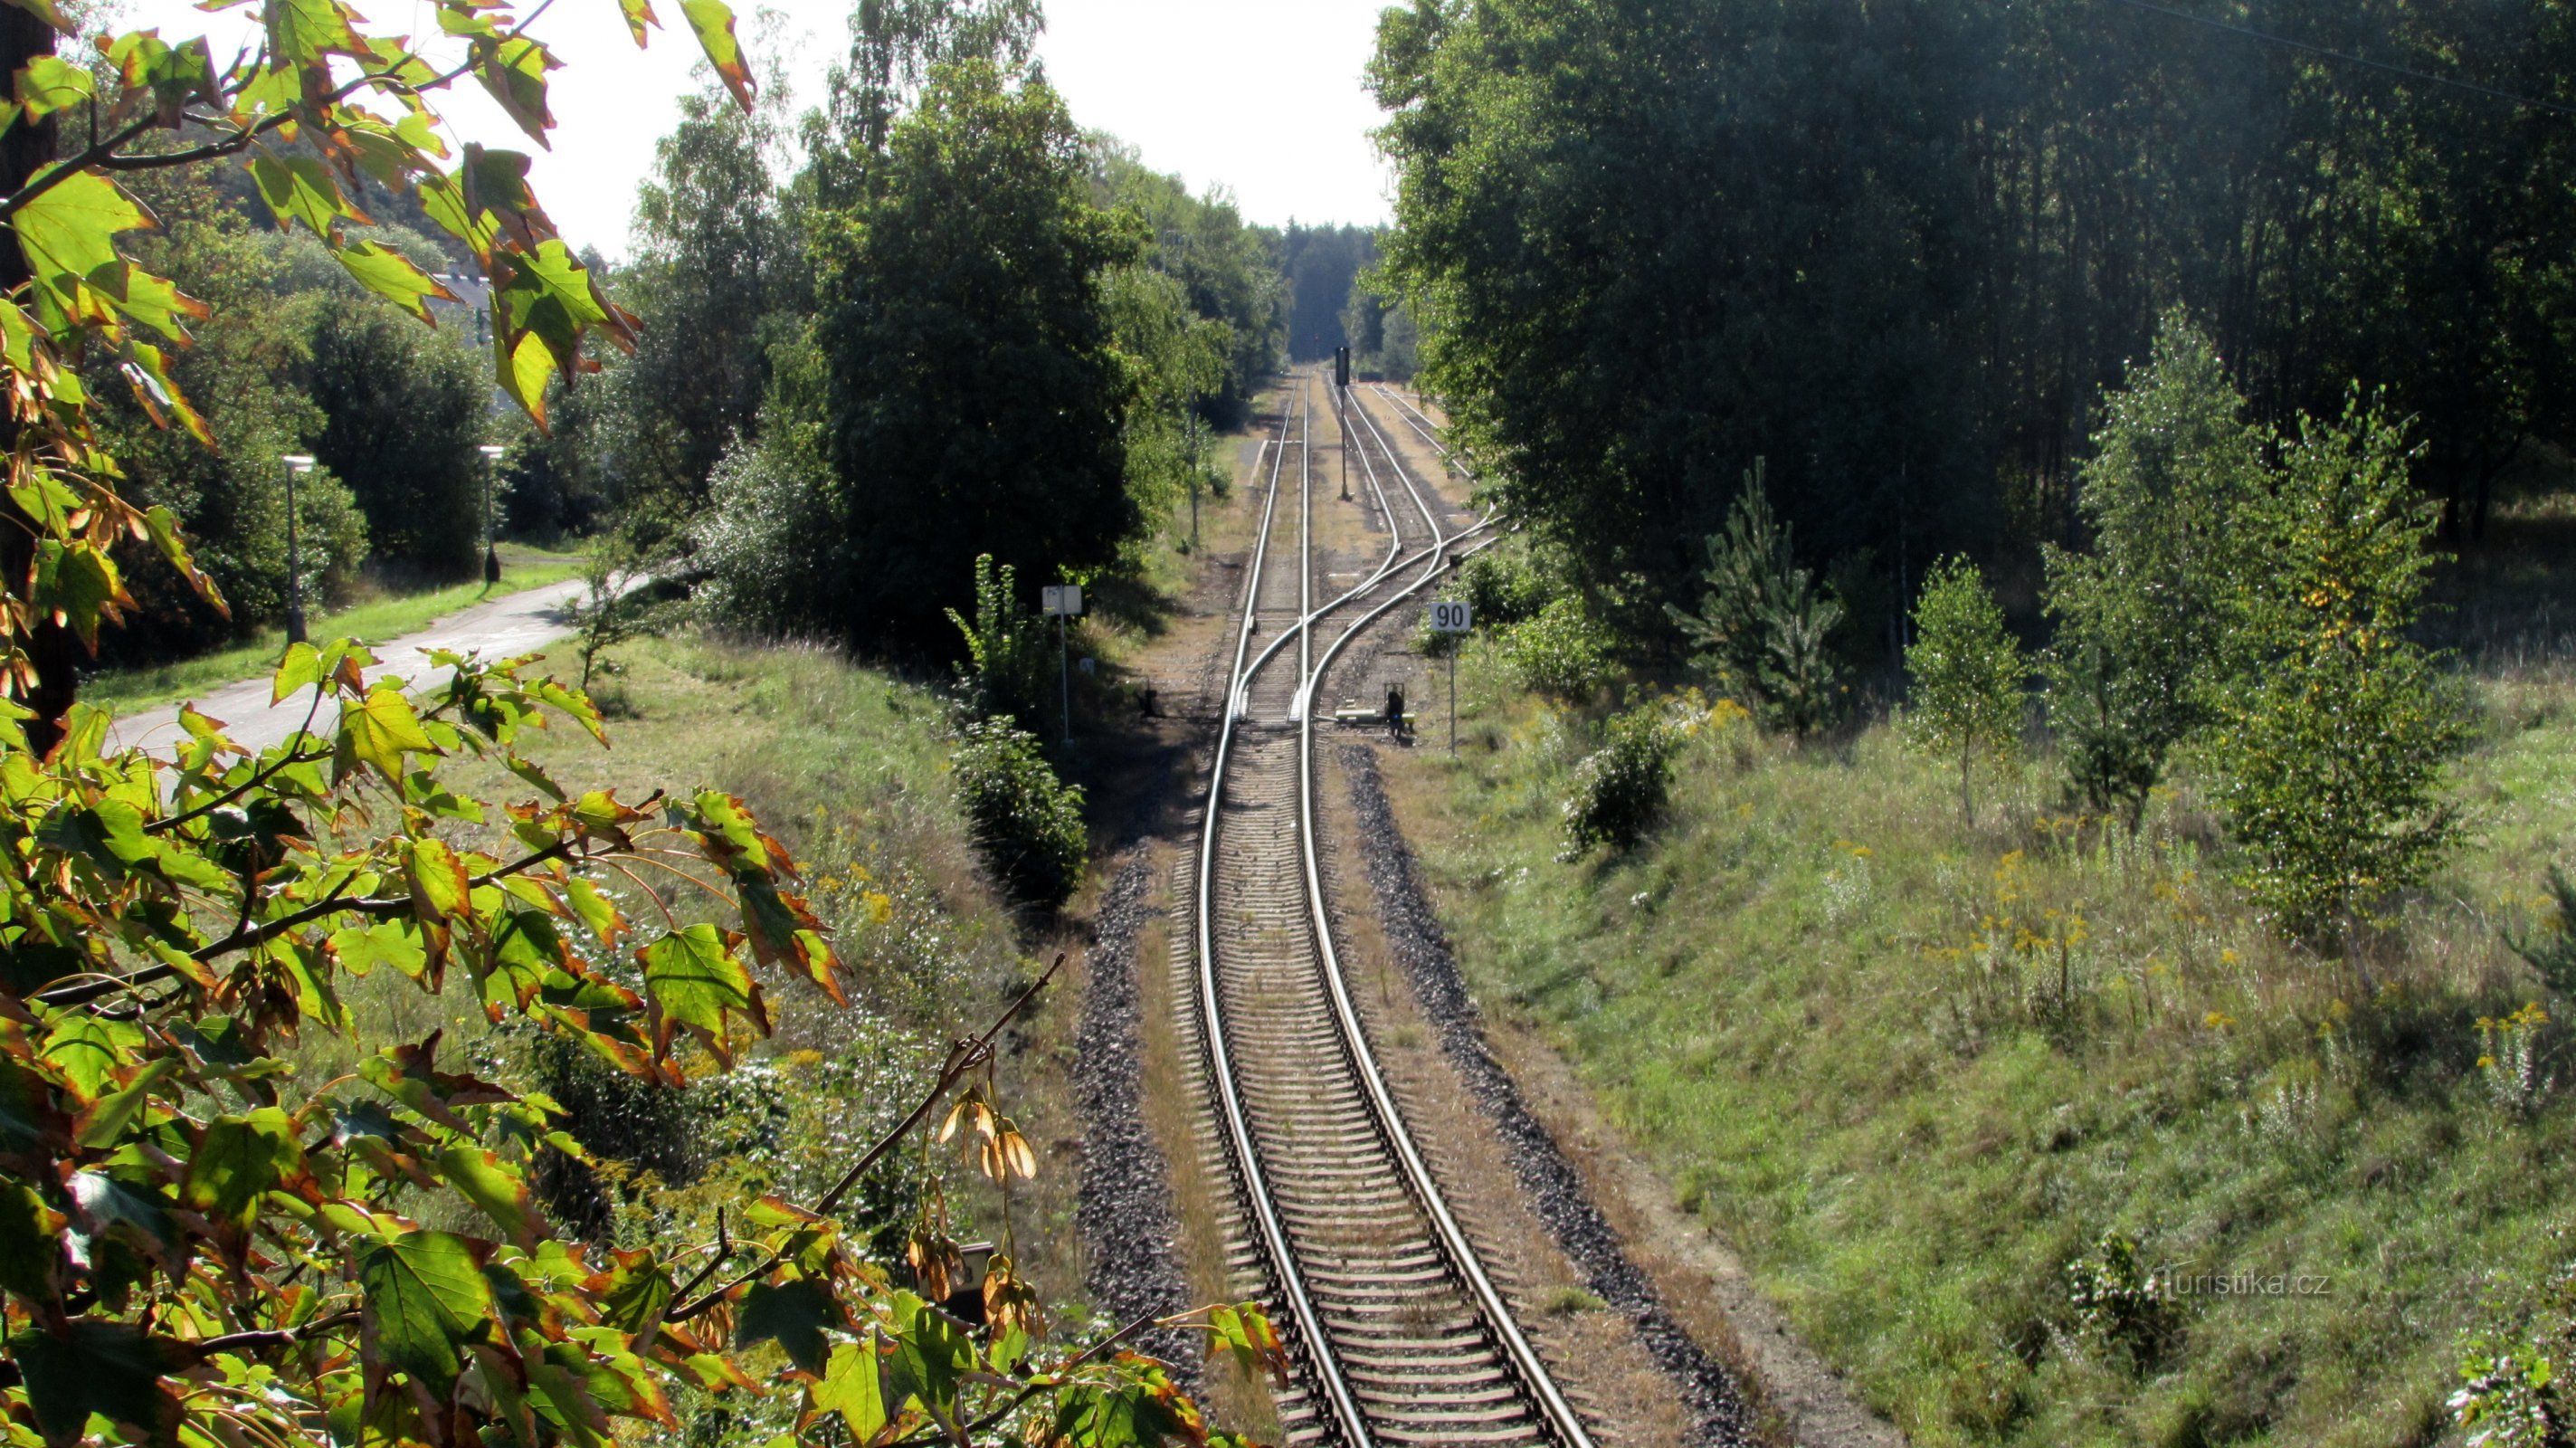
x=372 y=621
x=1879 y=1050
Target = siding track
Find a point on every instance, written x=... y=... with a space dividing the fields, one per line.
x=1399 y=1335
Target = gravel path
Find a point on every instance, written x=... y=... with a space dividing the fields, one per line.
x=1555 y=1187
x=1125 y=1208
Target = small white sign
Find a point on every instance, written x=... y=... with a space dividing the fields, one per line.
x=1450 y=616
x=1061 y=599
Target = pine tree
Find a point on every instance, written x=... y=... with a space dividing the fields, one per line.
x=1762 y=627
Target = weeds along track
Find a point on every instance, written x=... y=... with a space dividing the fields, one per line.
x=1399 y=1335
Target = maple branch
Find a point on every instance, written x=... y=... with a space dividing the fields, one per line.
x=268 y=930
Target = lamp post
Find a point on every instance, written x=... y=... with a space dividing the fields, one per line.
x=296 y=463
x=491 y=555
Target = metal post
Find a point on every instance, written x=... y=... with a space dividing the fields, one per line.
x=491 y=554
x=295 y=463
x=1346 y=445
x=1453 y=696
x=1064 y=676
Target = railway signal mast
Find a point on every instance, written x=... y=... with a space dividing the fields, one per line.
x=1342 y=382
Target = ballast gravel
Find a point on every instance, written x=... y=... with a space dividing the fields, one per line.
x=1553 y=1184
x=1124 y=1210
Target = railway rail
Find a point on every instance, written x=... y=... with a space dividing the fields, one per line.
x=1399 y=1334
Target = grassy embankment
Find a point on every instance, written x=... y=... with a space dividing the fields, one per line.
x=1916 y=1070
x=848 y=767
x=371 y=620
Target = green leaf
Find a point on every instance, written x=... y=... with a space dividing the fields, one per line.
x=930 y=1351
x=109 y=834
x=639 y=18
x=48 y=12
x=69 y=233
x=80 y=582
x=237 y=1160
x=388 y=942
x=30 y=1242
x=113 y=1369
x=378 y=731
x=50 y=84
x=795 y=1314
x=712 y=20
x=301 y=188
x=391 y=275
x=546 y=293
x=89 y=1050
x=526 y=366
x=854 y=1386
x=514 y=72
x=694 y=980
x=300 y=669
x=426 y=1300
x=440 y=889
x=104 y=1124
x=494 y=1186
x=303 y=33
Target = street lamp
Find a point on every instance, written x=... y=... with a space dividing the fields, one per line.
x=296 y=463
x=491 y=555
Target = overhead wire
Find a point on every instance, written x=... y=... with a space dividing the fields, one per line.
x=2311 y=48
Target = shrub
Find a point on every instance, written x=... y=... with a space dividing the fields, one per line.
x=1005 y=672
x=1620 y=788
x=766 y=540
x=1562 y=652
x=1026 y=823
x=1504 y=586
x=2518 y=1374
x=1762 y=627
x=2121 y=1305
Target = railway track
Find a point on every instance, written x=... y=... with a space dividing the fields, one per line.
x=1398 y=1332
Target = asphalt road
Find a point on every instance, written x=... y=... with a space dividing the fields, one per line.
x=515 y=624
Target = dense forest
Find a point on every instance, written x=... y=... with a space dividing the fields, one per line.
x=1899 y=251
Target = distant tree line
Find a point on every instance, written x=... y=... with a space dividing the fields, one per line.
x=1900 y=250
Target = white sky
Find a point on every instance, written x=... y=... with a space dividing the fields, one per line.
x=1261 y=97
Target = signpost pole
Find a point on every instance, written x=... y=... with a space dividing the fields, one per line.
x=1063 y=600
x=1453 y=617
x=1453 y=701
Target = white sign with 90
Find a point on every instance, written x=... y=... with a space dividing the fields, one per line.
x=1061 y=600
x=1449 y=615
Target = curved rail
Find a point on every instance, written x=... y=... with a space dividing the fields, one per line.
x=1549 y=1408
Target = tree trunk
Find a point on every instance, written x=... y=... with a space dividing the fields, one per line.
x=1967 y=811
x=52 y=651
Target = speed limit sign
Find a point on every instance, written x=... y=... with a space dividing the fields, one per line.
x=1450 y=616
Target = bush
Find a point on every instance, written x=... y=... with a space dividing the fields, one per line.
x=2519 y=1374
x=1967 y=695
x=1503 y=585
x=1563 y=652
x=766 y=540
x=1620 y=788
x=1026 y=823
x=1006 y=668
x=2121 y=1305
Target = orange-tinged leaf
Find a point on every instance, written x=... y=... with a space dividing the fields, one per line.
x=712 y=21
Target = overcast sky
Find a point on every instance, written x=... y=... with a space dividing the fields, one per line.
x=1262 y=98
